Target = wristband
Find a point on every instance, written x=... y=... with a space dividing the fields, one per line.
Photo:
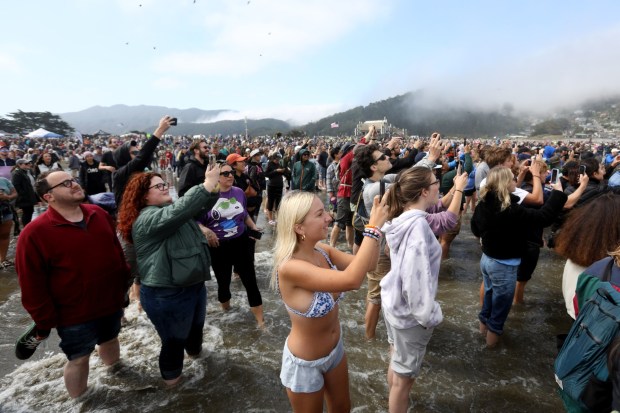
x=458 y=190
x=367 y=234
x=372 y=226
x=537 y=176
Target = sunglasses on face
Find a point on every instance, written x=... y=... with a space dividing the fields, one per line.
x=226 y=173
x=381 y=158
x=67 y=183
x=135 y=152
x=162 y=186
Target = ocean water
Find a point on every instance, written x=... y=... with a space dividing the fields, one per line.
x=238 y=370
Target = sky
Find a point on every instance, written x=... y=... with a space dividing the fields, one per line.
x=301 y=60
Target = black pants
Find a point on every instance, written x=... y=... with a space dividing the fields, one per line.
x=237 y=251
x=27 y=212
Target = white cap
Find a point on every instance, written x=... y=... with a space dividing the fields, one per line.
x=255 y=152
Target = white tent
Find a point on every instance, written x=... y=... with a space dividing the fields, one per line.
x=42 y=133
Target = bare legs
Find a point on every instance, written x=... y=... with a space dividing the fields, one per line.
x=371 y=319
x=399 y=389
x=76 y=371
x=5 y=238
x=335 y=392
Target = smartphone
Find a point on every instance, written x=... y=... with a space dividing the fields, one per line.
x=555 y=173
x=459 y=168
x=255 y=234
x=381 y=188
x=528 y=162
x=582 y=169
x=211 y=159
x=173 y=122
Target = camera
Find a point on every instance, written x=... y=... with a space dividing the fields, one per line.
x=173 y=122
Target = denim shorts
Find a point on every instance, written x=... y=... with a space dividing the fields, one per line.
x=409 y=348
x=301 y=376
x=80 y=339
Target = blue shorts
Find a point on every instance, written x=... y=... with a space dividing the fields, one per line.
x=301 y=376
x=80 y=339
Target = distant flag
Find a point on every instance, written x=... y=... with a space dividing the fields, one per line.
x=335 y=125
x=78 y=136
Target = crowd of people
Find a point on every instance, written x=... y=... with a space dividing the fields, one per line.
x=397 y=203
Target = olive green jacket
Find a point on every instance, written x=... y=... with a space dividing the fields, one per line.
x=170 y=248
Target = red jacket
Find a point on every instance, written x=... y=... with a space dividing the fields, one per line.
x=69 y=275
x=346 y=176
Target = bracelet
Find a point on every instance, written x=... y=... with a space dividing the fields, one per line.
x=372 y=233
x=366 y=234
x=372 y=226
x=373 y=230
x=458 y=190
x=537 y=176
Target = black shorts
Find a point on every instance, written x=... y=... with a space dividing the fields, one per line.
x=529 y=260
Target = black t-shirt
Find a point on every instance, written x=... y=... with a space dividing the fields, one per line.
x=108 y=159
x=322 y=160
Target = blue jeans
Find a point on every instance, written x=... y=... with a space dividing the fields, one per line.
x=614 y=180
x=178 y=315
x=499 y=290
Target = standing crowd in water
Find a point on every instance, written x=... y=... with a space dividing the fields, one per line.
x=398 y=202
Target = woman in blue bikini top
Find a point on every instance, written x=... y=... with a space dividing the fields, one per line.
x=311 y=277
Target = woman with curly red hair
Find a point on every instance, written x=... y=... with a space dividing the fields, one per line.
x=173 y=261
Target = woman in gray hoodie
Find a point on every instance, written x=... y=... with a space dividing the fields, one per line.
x=408 y=291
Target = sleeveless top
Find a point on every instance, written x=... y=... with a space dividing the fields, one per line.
x=322 y=302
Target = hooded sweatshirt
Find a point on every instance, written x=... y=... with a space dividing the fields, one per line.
x=408 y=291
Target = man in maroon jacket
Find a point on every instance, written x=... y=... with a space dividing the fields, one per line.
x=73 y=277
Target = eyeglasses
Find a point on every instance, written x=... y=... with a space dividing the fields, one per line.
x=135 y=152
x=433 y=183
x=381 y=158
x=226 y=173
x=162 y=186
x=67 y=183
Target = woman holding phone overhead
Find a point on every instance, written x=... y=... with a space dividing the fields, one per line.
x=502 y=224
x=173 y=262
x=311 y=277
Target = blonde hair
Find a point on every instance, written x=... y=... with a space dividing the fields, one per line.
x=615 y=255
x=498 y=181
x=294 y=207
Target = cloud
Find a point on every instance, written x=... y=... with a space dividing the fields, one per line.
x=295 y=115
x=548 y=78
x=242 y=38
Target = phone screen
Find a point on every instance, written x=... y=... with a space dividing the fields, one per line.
x=459 y=168
x=211 y=159
x=554 y=175
x=381 y=188
x=582 y=170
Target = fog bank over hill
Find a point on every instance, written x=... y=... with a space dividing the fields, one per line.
x=539 y=81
